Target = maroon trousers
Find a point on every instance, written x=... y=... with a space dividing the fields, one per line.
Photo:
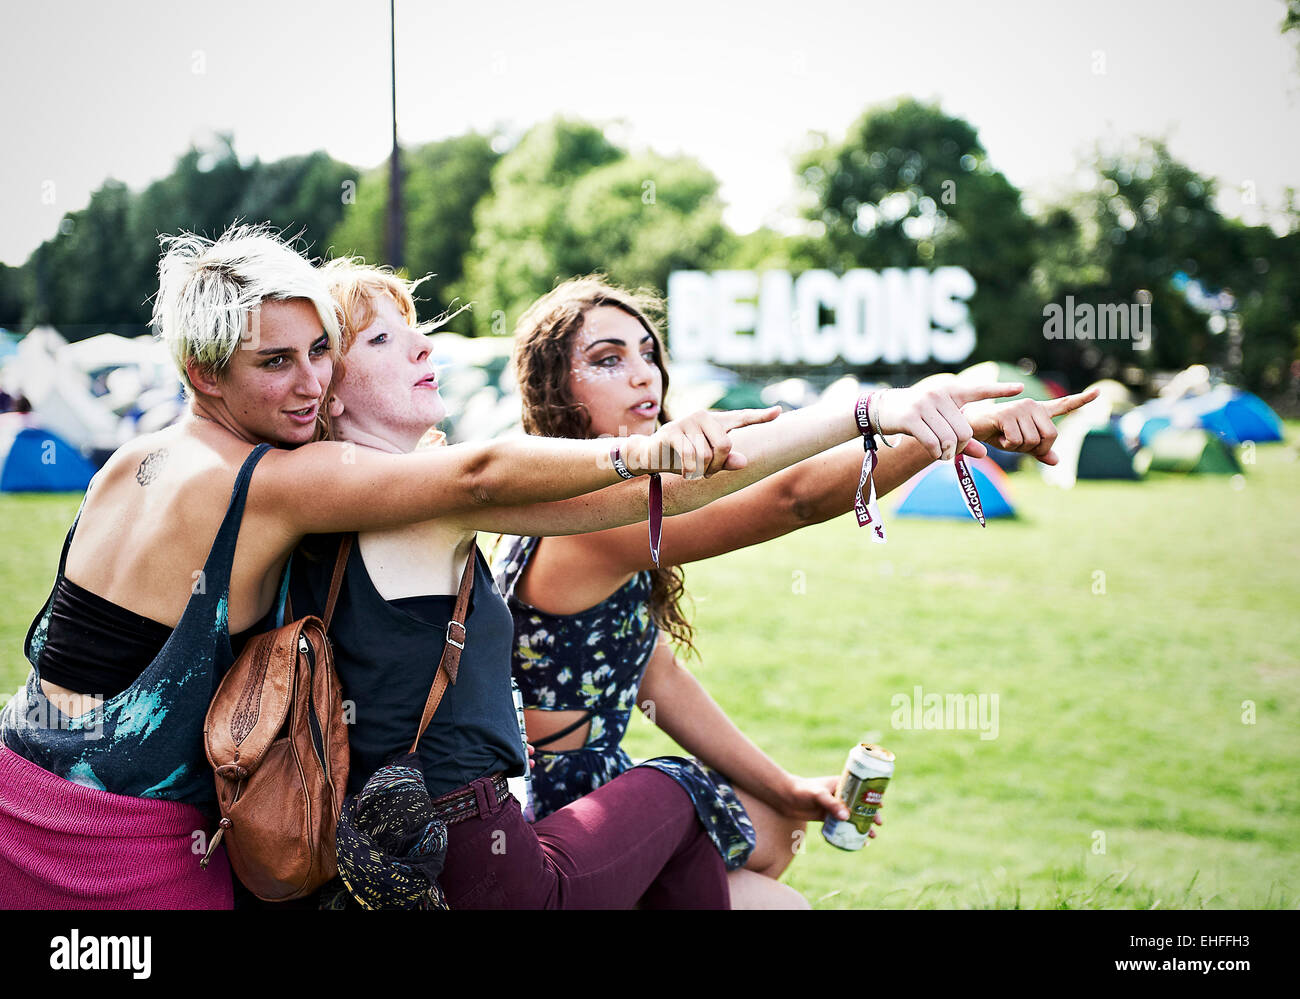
x=635 y=840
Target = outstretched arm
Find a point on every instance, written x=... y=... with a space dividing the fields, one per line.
x=929 y=416
x=330 y=486
x=813 y=491
x=675 y=701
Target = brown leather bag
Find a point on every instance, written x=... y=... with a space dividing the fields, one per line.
x=276 y=737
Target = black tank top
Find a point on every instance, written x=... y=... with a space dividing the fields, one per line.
x=387 y=654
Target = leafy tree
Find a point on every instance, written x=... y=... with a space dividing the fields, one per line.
x=911 y=186
x=82 y=274
x=1147 y=219
x=442 y=184
x=100 y=271
x=567 y=201
x=15 y=292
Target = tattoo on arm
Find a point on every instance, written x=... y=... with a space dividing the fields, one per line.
x=150 y=466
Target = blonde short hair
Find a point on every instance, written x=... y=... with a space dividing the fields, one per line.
x=207 y=291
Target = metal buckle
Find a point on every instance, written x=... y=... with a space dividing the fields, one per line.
x=463 y=635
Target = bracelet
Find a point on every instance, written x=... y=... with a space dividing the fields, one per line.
x=876 y=421
x=620 y=465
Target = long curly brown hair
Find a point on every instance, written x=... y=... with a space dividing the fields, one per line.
x=542 y=360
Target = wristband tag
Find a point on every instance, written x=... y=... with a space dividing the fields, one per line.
x=867 y=512
x=656 y=516
x=969 y=492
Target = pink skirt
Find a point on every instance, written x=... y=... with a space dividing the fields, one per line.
x=66 y=846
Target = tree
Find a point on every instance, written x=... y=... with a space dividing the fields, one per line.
x=911 y=186
x=566 y=201
x=100 y=271
x=80 y=273
x=15 y=292
x=444 y=181
x=1149 y=224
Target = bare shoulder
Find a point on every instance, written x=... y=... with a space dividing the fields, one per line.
x=165 y=461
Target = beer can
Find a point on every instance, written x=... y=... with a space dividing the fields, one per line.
x=861 y=788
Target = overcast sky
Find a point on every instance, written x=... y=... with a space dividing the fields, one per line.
x=94 y=90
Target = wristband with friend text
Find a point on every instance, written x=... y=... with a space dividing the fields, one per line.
x=867 y=511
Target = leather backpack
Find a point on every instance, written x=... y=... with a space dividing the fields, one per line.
x=275 y=735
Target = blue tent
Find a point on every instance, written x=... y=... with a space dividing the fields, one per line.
x=37 y=461
x=1234 y=415
x=935 y=492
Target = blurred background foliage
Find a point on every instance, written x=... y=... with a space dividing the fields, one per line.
x=499 y=222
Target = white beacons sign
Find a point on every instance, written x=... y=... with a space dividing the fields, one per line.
x=864 y=317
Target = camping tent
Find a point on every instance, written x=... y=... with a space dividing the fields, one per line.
x=1139 y=426
x=1092 y=452
x=1195 y=451
x=1234 y=415
x=935 y=492
x=33 y=460
x=1228 y=412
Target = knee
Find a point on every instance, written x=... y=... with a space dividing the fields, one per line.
x=777 y=848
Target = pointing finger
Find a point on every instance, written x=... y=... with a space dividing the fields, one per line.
x=732 y=419
x=1069 y=403
x=962 y=394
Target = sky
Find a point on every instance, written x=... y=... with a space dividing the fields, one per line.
x=94 y=90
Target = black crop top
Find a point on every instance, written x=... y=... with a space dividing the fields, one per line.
x=100 y=648
x=387 y=653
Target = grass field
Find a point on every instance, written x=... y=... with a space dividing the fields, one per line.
x=1141 y=641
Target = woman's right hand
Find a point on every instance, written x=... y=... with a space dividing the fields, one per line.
x=933 y=415
x=696 y=446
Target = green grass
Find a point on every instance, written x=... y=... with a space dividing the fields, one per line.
x=1120 y=714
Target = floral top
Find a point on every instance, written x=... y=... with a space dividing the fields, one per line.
x=594 y=661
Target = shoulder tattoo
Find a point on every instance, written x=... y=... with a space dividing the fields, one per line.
x=150 y=466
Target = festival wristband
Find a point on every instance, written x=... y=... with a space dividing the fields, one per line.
x=866 y=510
x=620 y=466
x=656 y=501
x=968 y=491
x=656 y=516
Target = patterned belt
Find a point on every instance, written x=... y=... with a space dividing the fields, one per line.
x=460 y=805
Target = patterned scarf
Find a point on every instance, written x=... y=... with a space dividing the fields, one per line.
x=391 y=844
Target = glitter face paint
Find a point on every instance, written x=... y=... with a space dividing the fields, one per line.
x=613 y=373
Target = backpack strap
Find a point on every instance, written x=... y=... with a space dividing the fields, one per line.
x=336 y=582
x=449 y=666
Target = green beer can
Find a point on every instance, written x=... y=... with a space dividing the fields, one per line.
x=861 y=788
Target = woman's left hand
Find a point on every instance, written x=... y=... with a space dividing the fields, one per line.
x=1024 y=425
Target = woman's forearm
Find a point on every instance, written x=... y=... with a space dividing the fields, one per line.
x=341 y=487
x=825 y=485
x=768 y=448
x=679 y=704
